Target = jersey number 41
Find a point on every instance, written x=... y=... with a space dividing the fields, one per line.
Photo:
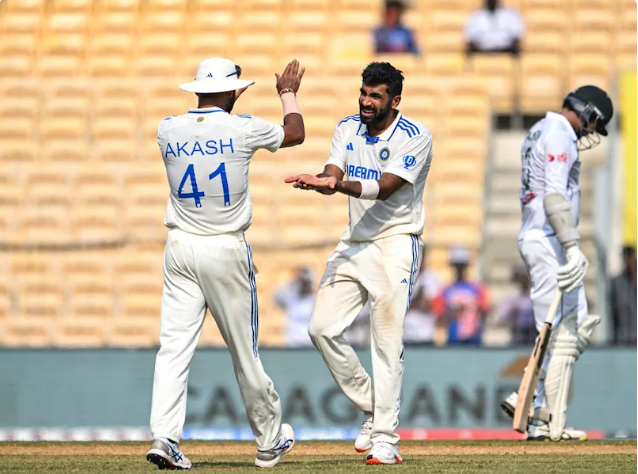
x=195 y=193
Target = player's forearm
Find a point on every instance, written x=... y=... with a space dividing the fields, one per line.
x=558 y=210
x=349 y=188
x=369 y=189
x=294 y=130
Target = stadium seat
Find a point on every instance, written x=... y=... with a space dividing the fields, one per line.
x=544 y=42
x=126 y=332
x=590 y=69
x=306 y=20
x=30 y=6
x=27 y=332
x=542 y=83
x=20 y=22
x=71 y=332
x=500 y=72
x=448 y=64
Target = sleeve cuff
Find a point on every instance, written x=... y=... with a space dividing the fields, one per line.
x=403 y=174
x=337 y=163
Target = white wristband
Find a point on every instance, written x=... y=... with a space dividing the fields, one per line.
x=289 y=101
x=369 y=189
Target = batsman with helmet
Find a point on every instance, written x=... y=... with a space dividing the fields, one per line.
x=548 y=243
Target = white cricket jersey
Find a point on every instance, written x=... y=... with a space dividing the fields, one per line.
x=206 y=153
x=550 y=164
x=405 y=150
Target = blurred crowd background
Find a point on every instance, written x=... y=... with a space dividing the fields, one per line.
x=83 y=85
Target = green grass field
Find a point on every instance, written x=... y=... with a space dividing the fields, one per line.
x=319 y=457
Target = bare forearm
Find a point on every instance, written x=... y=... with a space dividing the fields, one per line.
x=349 y=188
x=294 y=130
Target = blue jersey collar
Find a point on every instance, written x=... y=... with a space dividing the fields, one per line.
x=385 y=136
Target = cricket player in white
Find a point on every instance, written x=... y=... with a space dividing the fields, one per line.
x=548 y=242
x=207 y=262
x=386 y=157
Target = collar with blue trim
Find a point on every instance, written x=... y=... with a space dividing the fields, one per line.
x=384 y=136
x=206 y=110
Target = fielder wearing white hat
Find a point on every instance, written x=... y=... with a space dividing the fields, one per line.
x=216 y=75
x=208 y=263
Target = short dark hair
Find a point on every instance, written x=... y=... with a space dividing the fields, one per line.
x=384 y=73
x=628 y=251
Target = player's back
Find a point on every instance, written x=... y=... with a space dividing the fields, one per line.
x=550 y=163
x=207 y=153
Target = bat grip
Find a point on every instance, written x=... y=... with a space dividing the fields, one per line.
x=551 y=314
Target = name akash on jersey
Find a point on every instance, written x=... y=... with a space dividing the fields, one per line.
x=386 y=157
x=207 y=262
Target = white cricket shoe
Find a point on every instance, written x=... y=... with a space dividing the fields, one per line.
x=509 y=404
x=271 y=457
x=383 y=452
x=363 y=443
x=166 y=454
x=538 y=428
x=539 y=431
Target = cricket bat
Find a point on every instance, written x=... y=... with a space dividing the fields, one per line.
x=530 y=377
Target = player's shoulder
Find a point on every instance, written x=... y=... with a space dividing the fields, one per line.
x=553 y=127
x=412 y=129
x=349 y=122
x=171 y=122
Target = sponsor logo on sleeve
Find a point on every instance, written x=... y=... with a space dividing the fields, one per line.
x=562 y=157
x=409 y=161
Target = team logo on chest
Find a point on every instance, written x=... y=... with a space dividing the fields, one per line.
x=384 y=154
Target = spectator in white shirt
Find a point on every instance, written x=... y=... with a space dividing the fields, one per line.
x=420 y=322
x=494 y=29
x=297 y=299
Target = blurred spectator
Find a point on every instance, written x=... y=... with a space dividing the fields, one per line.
x=516 y=309
x=463 y=305
x=494 y=29
x=623 y=300
x=420 y=322
x=393 y=36
x=297 y=299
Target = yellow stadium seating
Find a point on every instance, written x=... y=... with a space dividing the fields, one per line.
x=84 y=84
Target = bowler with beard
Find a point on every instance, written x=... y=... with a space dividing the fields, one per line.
x=386 y=157
x=208 y=264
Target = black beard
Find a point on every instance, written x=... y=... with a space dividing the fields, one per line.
x=230 y=104
x=378 y=117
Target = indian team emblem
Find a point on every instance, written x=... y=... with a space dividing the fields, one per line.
x=384 y=154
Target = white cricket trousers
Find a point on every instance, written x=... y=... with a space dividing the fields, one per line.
x=543 y=256
x=215 y=272
x=383 y=272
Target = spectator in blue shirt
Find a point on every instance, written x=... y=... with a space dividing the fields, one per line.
x=392 y=36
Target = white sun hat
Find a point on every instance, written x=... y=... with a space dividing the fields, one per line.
x=216 y=75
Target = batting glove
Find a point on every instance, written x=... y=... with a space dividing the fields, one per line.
x=572 y=274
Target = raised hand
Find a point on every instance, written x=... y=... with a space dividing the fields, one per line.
x=323 y=185
x=290 y=78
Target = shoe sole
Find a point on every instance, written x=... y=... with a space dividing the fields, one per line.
x=368 y=447
x=376 y=461
x=162 y=463
x=508 y=409
x=547 y=439
x=275 y=461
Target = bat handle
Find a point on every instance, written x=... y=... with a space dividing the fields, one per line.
x=551 y=314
